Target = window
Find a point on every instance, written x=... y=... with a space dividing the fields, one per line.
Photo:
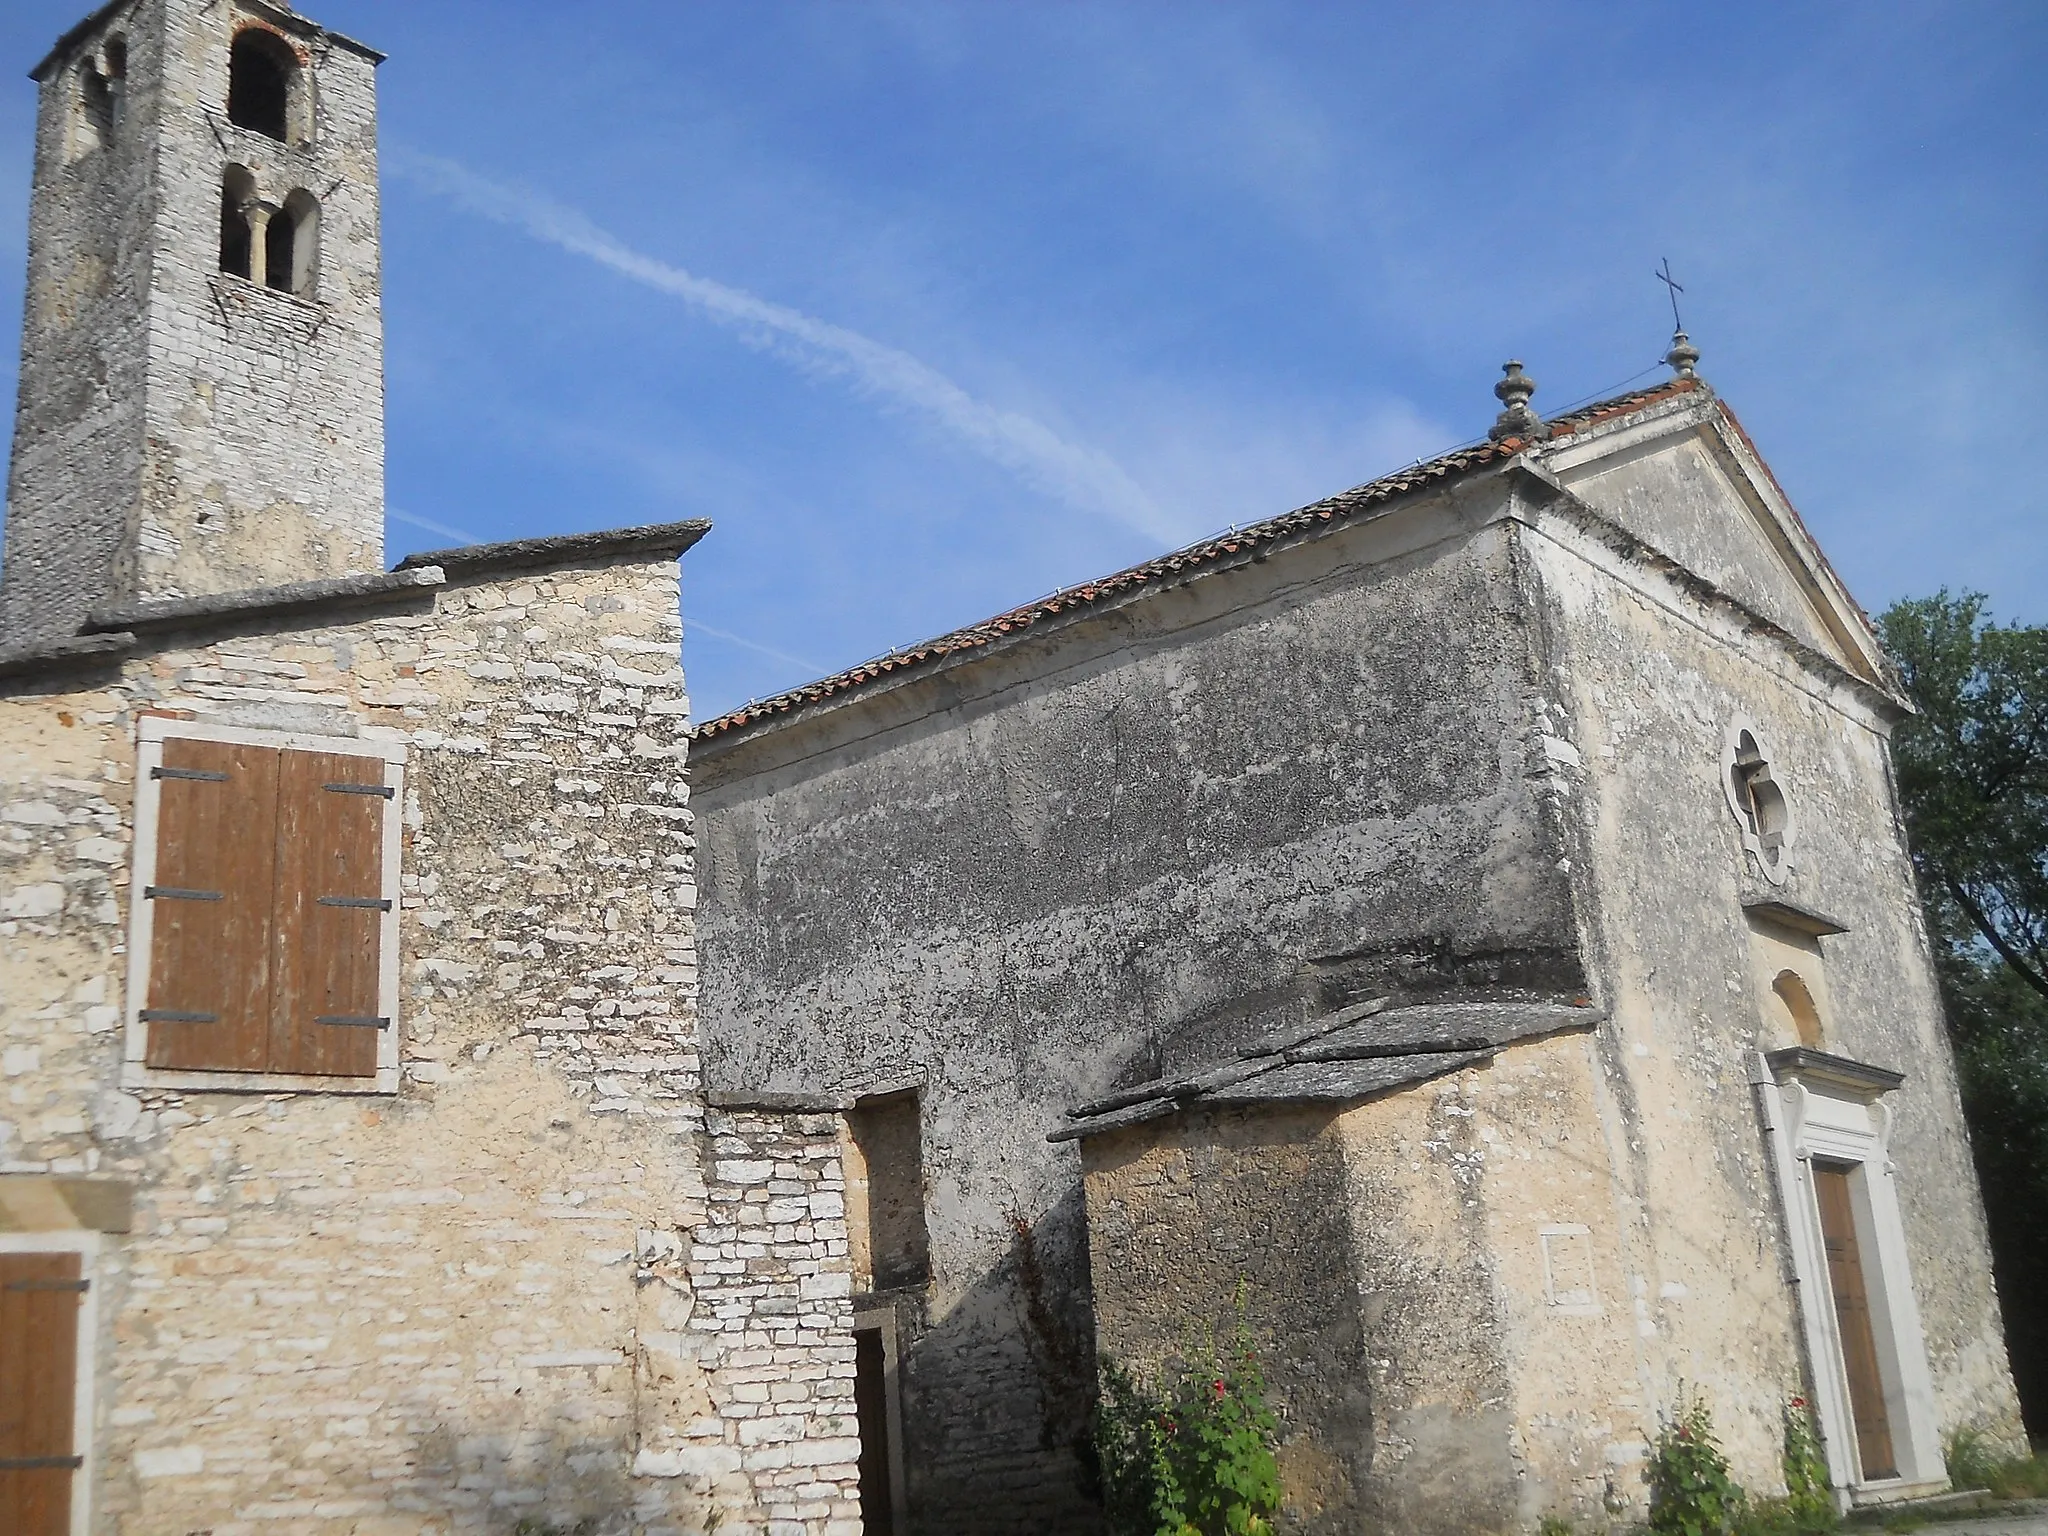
x=277 y=247
x=237 y=245
x=885 y=1194
x=1758 y=801
x=45 y=1417
x=265 y=929
x=95 y=109
x=96 y=114
x=291 y=245
x=262 y=80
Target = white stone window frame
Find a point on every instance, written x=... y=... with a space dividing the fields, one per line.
x=1775 y=865
x=87 y=1245
x=135 y=1069
x=1818 y=1106
x=883 y=1321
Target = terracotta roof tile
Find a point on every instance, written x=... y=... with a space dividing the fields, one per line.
x=1166 y=568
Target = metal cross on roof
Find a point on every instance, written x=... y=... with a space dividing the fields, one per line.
x=1676 y=288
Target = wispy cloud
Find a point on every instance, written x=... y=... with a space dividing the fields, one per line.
x=445 y=530
x=699 y=627
x=1080 y=476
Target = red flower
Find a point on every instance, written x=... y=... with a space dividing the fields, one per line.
x=1798 y=1402
x=1218 y=1388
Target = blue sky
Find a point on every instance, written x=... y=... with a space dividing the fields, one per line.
x=934 y=308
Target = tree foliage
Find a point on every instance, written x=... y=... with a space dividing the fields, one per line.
x=1973 y=771
x=1973 y=783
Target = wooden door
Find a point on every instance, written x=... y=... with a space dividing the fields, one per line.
x=1831 y=1185
x=40 y=1295
x=871 y=1408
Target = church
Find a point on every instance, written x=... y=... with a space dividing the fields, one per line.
x=1468 y=917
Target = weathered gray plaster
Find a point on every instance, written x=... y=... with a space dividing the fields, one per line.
x=1177 y=827
x=1453 y=746
x=1646 y=685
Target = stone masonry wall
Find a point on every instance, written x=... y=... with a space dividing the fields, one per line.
x=534 y=1284
x=180 y=430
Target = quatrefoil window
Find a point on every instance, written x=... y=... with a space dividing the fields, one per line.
x=1756 y=795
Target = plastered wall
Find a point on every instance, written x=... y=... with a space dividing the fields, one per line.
x=1120 y=850
x=1646 y=684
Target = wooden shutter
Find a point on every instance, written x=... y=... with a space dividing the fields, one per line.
x=40 y=1295
x=1852 y=1321
x=209 y=1003
x=330 y=915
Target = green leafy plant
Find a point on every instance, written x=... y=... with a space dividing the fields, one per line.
x=1692 y=1492
x=1190 y=1454
x=1809 y=1499
x=1973 y=1462
x=1553 y=1525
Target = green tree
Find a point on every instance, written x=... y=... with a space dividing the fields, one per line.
x=1973 y=772
x=1973 y=783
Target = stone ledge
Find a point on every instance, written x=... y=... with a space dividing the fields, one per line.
x=472 y=560
x=69 y=653
x=265 y=602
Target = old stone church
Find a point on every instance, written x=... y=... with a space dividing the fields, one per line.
x=443 y=1093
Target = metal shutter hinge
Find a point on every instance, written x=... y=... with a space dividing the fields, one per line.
x=47 y=1285
x=381 y=791
x=197 y=775
x=368 y=903
x=39 y=1463
x=177 y=1016
x=353 y=1021
x=174 y=893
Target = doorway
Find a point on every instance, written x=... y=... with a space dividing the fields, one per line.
x=1835 y=1195
x=878 y=1409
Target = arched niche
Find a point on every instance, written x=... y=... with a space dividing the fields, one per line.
x=1800 y=1008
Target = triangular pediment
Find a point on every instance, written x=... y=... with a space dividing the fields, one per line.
x=1684 y=479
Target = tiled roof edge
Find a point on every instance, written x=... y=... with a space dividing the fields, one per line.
x=1208 y=552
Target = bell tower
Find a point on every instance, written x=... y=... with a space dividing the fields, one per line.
x=202 y=374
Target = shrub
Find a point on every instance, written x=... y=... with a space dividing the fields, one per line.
x=1691 y=1490
x=1192 y=1453
x=1809 y=1500
x=1972 y=1463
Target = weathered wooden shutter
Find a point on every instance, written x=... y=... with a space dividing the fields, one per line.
x=39 y=1300
x=330 y=913
x=209 y=1002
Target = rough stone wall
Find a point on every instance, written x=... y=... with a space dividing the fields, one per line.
x=183 y=431
x=535 y=1283
x=1180 y=1213
x=1441 y=1287
x=75 y=478
x=1123 y=848
x=1646 y=680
